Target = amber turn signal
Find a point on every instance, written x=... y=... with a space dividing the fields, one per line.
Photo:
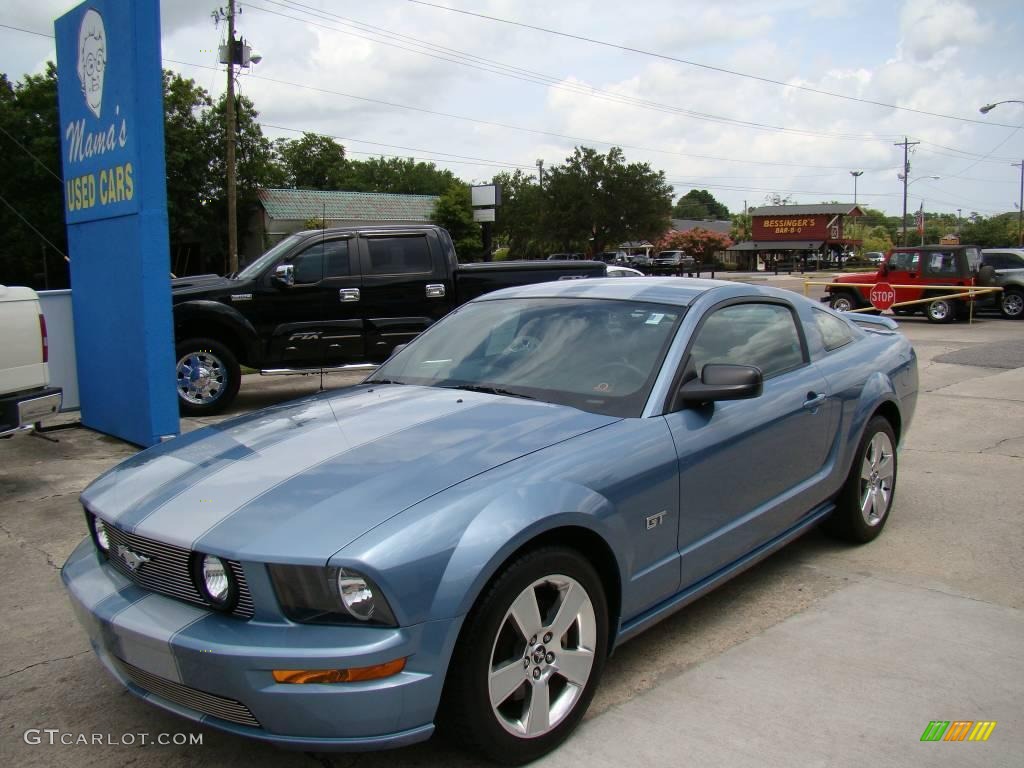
x=355 y=675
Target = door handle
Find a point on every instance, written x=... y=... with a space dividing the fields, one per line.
x=435 y=290
x=814 y=400
x=348 y=294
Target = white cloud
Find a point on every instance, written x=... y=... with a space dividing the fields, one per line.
x=933 y=27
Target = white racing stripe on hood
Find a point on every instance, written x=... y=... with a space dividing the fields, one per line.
x=183 y=519
x=157 y=619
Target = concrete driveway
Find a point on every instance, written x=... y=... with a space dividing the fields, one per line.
x=822 y=655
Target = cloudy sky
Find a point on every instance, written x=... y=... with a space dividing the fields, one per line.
x=745 y=99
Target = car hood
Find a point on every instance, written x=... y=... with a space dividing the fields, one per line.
x=297 y=482
x=202 y=285
x=858 y=277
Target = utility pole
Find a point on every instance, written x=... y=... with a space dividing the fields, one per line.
x=1020 y=206
x=906 y=144
x=230 y=134
x=958 y=221
x=540 y=172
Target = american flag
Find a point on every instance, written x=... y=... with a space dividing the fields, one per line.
x=919 y=217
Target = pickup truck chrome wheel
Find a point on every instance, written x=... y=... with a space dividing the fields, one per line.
x=863 y=504
x=529 y=656
x=208 y=376
x=201 y=377
x=877 y=475
x=1012 y=304
x=542 y=656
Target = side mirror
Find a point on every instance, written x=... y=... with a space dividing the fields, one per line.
x=284 y=275
x=722 y=382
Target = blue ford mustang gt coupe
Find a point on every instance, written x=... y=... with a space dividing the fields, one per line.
x=464 y=538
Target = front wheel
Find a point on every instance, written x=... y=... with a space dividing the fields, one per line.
x=208 y=377
x=863 y=504
x=941 y=311
x=1012 y=304
x=529 y=657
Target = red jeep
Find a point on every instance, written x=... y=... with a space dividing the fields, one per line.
x=910 y=267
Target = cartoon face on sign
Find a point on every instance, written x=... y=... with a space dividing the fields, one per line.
x=92 y=59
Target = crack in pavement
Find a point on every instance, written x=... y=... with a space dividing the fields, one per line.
x=25 y=545
x=45 y=661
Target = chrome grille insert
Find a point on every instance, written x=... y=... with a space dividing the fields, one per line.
x=207 y=703
x=164 y=568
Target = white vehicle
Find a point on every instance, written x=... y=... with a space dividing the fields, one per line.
x=25 y=395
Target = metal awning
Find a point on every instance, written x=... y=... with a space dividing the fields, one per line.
x=777 y=245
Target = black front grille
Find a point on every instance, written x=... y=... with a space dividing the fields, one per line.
x=167 y=570
x=201 y=701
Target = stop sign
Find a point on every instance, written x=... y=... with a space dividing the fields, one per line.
x=882 y=296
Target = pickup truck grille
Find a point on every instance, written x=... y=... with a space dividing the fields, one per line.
x=167 y=570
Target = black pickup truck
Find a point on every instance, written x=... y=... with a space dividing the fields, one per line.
x=329 y=299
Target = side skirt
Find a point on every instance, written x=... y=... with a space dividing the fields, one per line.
x=684 y=597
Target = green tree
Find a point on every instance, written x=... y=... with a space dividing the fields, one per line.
x=454 y=212
x=30 y=171
x=699 y=204
x=597 y=200
x=520 y=216
x=876 y=238
x=313 y=162
x=397 y=175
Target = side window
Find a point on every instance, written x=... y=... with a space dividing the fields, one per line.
x=905 y=262
x=942 y=263
x=308 y=264
x=399 y=255
x=835 y=333
x=763 y=335
x=336 y=259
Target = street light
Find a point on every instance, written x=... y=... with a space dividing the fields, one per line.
x=1020 y=205
x=856 y=175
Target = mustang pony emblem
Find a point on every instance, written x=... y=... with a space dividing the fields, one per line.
x=132 y=559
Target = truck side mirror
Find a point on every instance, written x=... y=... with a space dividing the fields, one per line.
x=284 y=275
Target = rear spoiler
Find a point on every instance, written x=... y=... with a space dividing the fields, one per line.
x=873 y=322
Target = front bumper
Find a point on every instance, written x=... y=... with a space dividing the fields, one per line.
x=216 y=669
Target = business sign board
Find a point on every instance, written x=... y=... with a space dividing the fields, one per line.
x=485 y=195
x=483 y=214
x=801 y=227
x=110 y=88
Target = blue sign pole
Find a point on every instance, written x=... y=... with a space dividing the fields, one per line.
x=110 y=88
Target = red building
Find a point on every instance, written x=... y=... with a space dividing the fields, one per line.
x=796 y=235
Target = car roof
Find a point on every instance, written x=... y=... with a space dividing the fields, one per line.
x=661 y=290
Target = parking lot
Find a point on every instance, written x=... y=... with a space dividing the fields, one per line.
x=822 y=655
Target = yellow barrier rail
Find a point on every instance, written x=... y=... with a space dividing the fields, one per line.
x=958 y=292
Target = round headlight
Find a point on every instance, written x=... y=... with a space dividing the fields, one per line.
x=101 y=534
x=215 y=578
x=356 y=594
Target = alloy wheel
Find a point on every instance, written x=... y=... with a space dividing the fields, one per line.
x=878 y=469
x=542 y=656
x=202 y=377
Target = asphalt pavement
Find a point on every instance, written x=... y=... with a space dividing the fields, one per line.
x=824 y=654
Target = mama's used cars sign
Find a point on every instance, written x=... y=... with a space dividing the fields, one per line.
x=98 y=125
x=110 y=86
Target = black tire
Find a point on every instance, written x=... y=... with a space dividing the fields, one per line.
x=843 y=301
x=467 y=713
x=1011 y=304
x=904 y=311
x=861 y=514
x=207 y=376
x=941 y=311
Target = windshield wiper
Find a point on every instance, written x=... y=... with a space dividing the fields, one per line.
x=490 y=390
x=383 y=381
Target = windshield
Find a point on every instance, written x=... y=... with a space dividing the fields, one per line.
x=267 y=258
x=593 y=354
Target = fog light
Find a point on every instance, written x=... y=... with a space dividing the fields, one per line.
x=354 y=675
x=101 y=534
x=215 y=579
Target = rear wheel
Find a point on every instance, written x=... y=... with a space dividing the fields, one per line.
x=863 y=504
x=941 y=311
x=529 y=657
x=842 y=302
x=1012 y=303
x=208 y=376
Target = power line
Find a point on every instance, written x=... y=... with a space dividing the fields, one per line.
x=29 y=225
x=524 y=129
x=26 y=31
x=698 y=64
x=24 y=149
x=491 y=66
